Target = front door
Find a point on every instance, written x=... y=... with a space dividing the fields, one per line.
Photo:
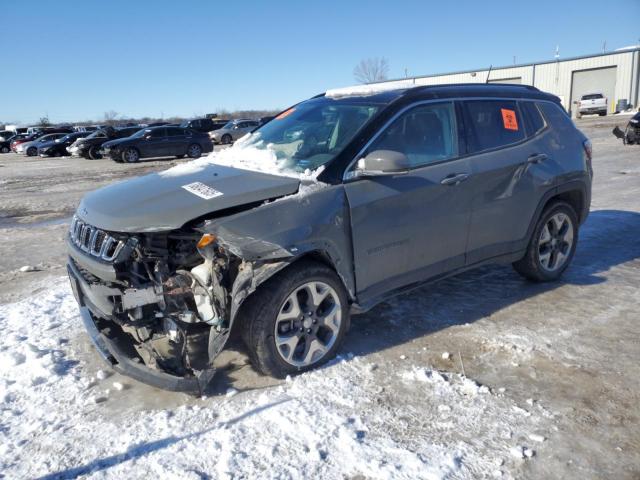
x=155 y=143
x=412 y=226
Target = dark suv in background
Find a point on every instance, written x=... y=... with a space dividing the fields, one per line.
x=203 y=124
x=371 y=195
x=90 y=146
x=158 y=142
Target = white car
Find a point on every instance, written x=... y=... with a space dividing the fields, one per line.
x=592 y=103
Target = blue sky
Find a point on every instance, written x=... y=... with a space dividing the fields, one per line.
x=74 y=60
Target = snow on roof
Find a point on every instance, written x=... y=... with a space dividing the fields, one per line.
x=369 y=89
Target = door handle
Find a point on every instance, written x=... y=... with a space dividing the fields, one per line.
x=537 y=158
x=454 y=179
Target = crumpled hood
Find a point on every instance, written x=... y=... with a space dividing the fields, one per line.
x=160 y=201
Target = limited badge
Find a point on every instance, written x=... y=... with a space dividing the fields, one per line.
x=202 y=190
x=509 y=119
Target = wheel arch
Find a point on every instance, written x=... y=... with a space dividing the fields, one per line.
x=574 y=193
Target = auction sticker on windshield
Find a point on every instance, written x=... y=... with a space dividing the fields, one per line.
x=202 y=190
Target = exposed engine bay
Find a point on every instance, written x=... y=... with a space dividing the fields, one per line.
x=169 y=302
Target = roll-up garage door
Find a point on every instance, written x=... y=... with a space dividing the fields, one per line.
x=597 y=80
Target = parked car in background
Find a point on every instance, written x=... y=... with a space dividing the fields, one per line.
x=592 y=103
x=22 y=138
x=58 y=147
x=631 y=134
x=233 y=130
x=85 y=128
x=5 y=145
x=89 y=146
x=6 y=134
x=408 y=197
x=263 y=120
x=158 y=142
x=201 y=124
x=30 y=149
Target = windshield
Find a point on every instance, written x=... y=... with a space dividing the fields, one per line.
x=141 y=133
x=228 y=125
x=98 y=134
x=312 y=133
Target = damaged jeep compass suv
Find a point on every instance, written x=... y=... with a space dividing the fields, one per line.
x=333 y=206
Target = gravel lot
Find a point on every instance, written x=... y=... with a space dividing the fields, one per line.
x=551 y=368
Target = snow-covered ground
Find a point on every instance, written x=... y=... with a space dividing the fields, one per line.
x=479 y=376
x=325 y=424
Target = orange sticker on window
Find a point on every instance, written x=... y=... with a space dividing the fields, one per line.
x=509 y=119
x=286 y=113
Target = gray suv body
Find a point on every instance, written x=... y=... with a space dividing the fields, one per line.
x=370 y=196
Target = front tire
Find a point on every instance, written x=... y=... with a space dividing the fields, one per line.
x=32 y=151
x=226 y=139
x=552 y=244
x=295 y=321
x=93 y=153
x=5 y=150
x=130 y=155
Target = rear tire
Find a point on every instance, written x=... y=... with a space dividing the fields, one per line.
x=273 y=331
x=5 y=150
x=194 y=150
x=603 y=114
x=552 y=244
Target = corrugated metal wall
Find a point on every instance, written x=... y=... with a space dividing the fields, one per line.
x=554 y=77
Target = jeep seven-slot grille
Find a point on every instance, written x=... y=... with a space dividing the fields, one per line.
x=94 y=241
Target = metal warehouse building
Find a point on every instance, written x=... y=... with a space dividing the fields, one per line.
x=615 y=74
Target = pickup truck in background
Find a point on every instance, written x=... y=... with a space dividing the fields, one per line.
x=592 y=103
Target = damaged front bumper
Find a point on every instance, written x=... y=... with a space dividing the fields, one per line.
x=116 y=349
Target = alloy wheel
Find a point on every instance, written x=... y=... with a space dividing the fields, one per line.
x=131 y=155
x=194 y=151
x=555 y=242
x=308 y=324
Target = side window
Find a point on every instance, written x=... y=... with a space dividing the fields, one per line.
x=425 y=134
x=174 y=132
x=535 y=121
x=158 y=132
x=492 y=124
x=557 y=117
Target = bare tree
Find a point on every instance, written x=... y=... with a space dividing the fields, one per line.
x=44 y=121
x=110 y=117
x=371 y=70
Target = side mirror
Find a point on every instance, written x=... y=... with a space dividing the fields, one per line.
x=383 y=162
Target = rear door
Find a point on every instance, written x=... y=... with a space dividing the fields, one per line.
x=412 y=226
x=511 y=170
x=176 y=142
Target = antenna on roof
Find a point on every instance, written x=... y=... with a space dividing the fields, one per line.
x=488 y=73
